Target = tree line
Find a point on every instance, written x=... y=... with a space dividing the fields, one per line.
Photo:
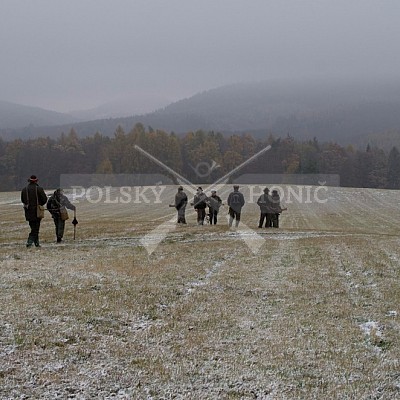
x=48 y=158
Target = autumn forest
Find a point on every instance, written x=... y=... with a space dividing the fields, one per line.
x=48 y=158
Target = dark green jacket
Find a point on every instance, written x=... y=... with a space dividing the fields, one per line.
x=31 y=196
x=56 y=201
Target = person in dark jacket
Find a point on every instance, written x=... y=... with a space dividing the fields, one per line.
x=214 y=203
x=33 y=195
x=200 y=204
x=235 y=203
x=57 y=205
x=266 y=211
x=276 y=207
x=180 y=205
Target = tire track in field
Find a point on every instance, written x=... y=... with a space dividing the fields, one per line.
x=309 y=314
x=387 y=197
x=233 y=288
x=367 y=216
x=299 y=218
x=384 y=214
x=349 y=266
x=347 y=218
x=367 y=278
x=262 y=313
x=339 y=207
x=308 y=215
x=360 y=204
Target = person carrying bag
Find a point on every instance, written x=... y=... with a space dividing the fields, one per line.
x=57 y=205
x=33 y=198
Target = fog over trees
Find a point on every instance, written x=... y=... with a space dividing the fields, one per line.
x=48 y=158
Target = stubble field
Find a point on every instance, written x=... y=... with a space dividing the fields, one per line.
x=306 y=311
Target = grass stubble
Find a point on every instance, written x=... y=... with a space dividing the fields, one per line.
x=313 y=314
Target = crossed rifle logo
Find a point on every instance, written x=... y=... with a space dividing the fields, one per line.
x=151 y=240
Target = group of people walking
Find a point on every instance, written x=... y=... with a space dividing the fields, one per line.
x=34 y=199
x=270 y=207
x=200 y=203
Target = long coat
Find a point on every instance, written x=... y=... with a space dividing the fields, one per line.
x=31 y=196
x=180 y=200
x=265 y=203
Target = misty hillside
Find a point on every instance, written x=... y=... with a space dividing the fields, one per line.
x=345 y=112
x=15 y=116
x=330 y=112
x=138 y=104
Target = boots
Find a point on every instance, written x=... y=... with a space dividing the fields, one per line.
x=30 y=241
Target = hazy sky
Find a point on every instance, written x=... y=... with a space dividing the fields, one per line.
x=76 y=54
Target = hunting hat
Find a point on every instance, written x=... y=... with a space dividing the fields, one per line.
x=266 y=190
x=33 y=178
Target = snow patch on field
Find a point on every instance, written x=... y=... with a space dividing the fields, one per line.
x=371 y=328
x=204 y=280
x=373 y=331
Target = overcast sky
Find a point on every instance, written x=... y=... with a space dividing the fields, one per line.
x=75 y=54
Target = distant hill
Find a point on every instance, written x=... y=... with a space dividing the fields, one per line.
x=138 y=104
x=342 y=112
x=17 y=116
x=345 y=112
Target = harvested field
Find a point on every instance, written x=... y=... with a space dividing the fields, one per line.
x=139 y=308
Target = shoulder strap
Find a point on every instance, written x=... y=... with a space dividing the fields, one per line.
x=53 y=199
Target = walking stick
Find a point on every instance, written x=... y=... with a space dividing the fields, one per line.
x=75 y=223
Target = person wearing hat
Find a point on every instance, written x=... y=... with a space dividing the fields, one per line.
x=200 y=204
x=180 y=205
x=33 y=195
x=266 y=210
x=57 y=205
x=235 y=203
x=214 y=203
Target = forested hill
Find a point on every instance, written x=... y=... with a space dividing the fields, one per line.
x=345 y=112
